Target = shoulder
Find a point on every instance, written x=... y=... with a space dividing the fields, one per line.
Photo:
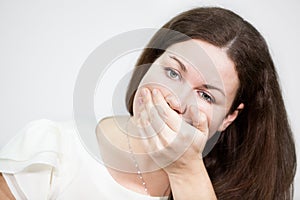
x=112 y=124
x=104 y=123
x=112 y=128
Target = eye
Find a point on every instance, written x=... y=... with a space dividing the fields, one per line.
x=206 y=97
x=173 y=74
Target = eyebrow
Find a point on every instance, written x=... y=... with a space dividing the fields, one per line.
x=207 y=86
x=182 y=66
x=213 y=88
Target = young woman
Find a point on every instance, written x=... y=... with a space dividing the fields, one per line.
x=218 y=78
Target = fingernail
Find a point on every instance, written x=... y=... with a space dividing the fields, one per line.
x=144 y=92
x=154 y=91
x=140 y=101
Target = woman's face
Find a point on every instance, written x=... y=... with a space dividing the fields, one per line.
x=195 y=73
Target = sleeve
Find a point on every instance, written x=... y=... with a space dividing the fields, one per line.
x=30 y=159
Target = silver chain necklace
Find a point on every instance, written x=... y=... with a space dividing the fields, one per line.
x=137 y=165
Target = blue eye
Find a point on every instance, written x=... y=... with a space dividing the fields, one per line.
x=173 y=74
x=206 y=97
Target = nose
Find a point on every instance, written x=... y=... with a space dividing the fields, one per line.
x=179 y=103
x=177 y=106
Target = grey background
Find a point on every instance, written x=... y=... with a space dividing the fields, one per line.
x=44 y=43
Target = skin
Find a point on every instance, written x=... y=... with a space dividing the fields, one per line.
x=173 y=108
x=172 y=111
x=5 y=193
x=185 y=89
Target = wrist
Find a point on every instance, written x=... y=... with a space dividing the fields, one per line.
x=196 y=182
x=191 y=168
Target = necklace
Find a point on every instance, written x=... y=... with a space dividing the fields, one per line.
x=137 y=165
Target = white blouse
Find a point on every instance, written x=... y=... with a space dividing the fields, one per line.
x=46 y=160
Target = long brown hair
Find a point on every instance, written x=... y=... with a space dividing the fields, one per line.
x=254 y=157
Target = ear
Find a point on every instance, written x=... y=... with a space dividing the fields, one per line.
x=230 y=118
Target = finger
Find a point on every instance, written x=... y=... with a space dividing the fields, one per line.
x=166 y=133
x=173 y=151
x=144 y=119
x=138 y=102
x=155 y=118
x=142 y=97
x=167 y=145
x=158 y=126
x=161 y=147
x=150 y=137
x=162 y=131
x=170 y=117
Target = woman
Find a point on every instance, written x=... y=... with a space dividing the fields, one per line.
x=175 y=108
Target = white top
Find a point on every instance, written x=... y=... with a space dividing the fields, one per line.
x=46 y=160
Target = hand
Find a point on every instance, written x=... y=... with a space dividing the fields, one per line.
x=172 y=143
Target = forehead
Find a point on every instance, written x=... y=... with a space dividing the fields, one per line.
x=210 y=62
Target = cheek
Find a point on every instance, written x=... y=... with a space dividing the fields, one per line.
x=207 y=110
x=216 y=119
x=214 y=113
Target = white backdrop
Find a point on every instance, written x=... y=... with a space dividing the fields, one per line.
x=44 y=43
